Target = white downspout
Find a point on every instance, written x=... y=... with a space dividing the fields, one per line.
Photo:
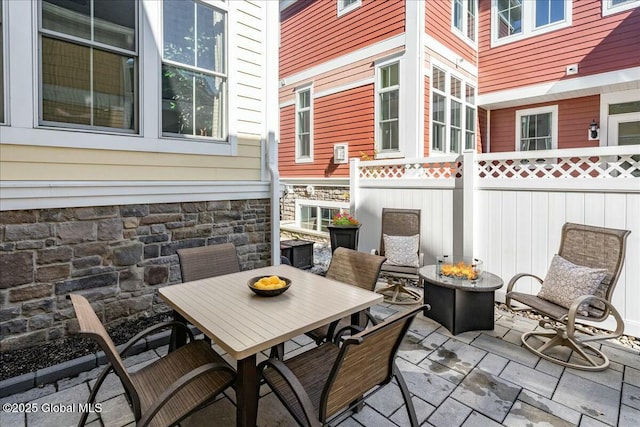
x=272 y=117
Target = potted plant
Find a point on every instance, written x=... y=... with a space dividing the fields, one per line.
x=343 y=231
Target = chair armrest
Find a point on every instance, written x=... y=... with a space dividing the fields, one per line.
x=519 y=276
x=151 y=329
x=573 y=313
x=295 y=385
x=181 y=382
x=354 y=329
x=512 y=284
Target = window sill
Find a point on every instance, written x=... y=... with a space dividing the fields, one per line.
x=84 y=139
x=389 y=155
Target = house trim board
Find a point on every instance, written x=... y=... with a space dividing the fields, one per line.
x=344 y=60
x=412 y=89
x=437 y=47
x=320 y=182
x=18 y=195
x=595 y=84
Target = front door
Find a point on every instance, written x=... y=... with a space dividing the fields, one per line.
x=624 y=124
x=624 y=127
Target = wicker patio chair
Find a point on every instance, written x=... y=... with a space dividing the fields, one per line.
x=208 y=261
x=321 y=384
x=170 y=388
x=357 y=269
x=588 y=246
x=400 y=222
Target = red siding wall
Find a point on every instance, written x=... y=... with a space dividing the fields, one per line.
x=597 y=44
x=482 y=130
x=312 y=33
x=343 y=117
x=438 y=25
x=286 y=147
x=574 y=116
x=427 y=116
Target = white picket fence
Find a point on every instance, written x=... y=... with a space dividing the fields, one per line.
x=508 y=208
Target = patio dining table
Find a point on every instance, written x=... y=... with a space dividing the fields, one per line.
x=244 y=324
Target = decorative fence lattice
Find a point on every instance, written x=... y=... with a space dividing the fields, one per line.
x=413 y=170
x=588 y=166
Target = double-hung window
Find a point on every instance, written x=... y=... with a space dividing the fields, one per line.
x=194 y=70
x=304 y=119
x=465 y=18
x=453 y=113
x=516 y=19
x=346 y=6
x=537 y=128
x=388 y=104
x=614 y=6
x=2 y=97
x=89 y=64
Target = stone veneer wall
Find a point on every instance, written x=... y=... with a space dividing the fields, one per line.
x=117 y=256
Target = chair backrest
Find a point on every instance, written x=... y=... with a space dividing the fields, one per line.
x=208 y=261
x=595 y=247
x=399 y=222
x=92 y=327
x=365 y=360
x=355 y=268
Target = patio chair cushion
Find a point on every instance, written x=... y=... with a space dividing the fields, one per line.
x=566 y=281
x=402 y=250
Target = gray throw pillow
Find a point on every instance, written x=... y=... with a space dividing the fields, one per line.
x=566 y=281
x=402 y=250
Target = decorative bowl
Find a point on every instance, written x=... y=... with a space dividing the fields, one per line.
x=268 y=292
x=464 y=268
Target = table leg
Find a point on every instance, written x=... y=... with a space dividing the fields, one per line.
x=247 y=392
x=178 y=335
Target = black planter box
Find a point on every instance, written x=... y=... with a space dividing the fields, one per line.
x=345 y=236
x=299 y=252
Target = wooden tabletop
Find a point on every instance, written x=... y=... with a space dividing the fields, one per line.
x=243 y=324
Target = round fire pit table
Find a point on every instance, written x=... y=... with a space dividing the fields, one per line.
x=460 y=305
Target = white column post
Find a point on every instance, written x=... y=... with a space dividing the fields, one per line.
x=412 y=81
x=354 y=191
x=469 y=207
x=272 y=120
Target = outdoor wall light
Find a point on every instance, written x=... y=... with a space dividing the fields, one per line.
x=593 y=130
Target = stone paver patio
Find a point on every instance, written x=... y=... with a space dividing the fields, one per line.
x=482 y=378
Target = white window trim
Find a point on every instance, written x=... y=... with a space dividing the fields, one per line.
x=149 y=138
x=528 y=20
x=462 y=34
x=344 y=10
x=463 y=114
x=609 y=9
x=4 y=70
x=388 y=154
x=299 y=158
x=317 y=204
x=553 y=109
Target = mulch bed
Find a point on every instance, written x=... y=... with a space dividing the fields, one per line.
x=22 y=361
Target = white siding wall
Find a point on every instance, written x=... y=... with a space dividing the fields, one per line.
x=249 y=67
